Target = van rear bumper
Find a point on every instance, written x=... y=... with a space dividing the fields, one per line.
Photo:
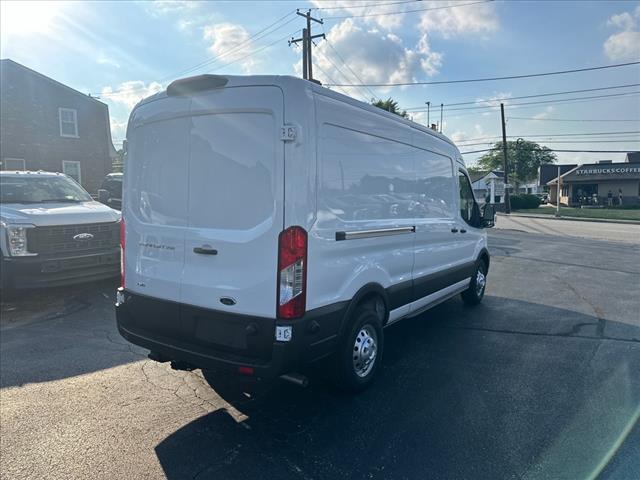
x=218 y=340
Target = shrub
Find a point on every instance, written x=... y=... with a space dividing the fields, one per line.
x=524 y=201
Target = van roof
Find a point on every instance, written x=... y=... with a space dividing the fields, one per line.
x=285 y=81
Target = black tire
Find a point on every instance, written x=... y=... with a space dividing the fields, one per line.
x=365 y=328
x=475 y=293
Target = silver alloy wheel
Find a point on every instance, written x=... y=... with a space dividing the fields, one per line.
x=481 y=282
x=365 y=349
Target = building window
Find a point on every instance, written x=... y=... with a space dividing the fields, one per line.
x=13 y=164
x=68 y=122
x=72 y=169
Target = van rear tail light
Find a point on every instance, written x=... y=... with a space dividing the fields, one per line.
x=292 y=273
x=122 y=242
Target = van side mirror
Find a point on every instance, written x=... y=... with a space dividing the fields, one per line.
x=103 y=196
x=488 y=216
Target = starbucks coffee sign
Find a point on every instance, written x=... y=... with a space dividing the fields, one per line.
x=607 y=170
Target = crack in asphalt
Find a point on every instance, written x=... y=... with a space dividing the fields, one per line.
x=591 y=267
x=541 y=334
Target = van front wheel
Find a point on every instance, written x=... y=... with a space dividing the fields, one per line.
x=360 y=351
x=474 y=294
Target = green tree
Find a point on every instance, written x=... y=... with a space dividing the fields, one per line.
x=390 y=105
x=524 y=159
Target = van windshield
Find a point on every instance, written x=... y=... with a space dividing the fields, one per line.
x=41 y=189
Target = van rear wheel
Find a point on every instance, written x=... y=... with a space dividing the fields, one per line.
x=475 y=293
x=360 y=351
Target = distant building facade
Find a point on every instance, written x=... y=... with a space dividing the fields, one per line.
x=45 y=125
x=488 y=186
x=602 y=183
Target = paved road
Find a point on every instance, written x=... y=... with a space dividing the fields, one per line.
x=540 y=381
x=628 y=233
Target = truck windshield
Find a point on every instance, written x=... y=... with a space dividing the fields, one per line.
x=41 y=189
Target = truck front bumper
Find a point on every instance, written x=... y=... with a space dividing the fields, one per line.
x=52 y=271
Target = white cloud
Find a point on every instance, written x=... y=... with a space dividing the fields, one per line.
x=348 y=7
x=106 y=60
x=544 y=114
x=130 y=93
x=118 y=130
x=624 y=20
x=624 y=45
x=170 y=7
x=232 y=41
x=494 y=100
x=375 y=56
x=461 y=20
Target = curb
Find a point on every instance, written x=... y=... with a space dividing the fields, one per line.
x=575 y=219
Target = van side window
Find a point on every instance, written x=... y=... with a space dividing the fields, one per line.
x=467 y=201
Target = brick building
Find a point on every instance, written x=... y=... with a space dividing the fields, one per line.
x=45 y=125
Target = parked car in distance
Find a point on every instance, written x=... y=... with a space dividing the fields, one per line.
x=249 y=270
x=110 y=191
x=53 y=232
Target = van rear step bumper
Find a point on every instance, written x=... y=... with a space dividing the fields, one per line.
x=219 y=340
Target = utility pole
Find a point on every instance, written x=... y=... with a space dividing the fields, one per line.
x=428 y=122
x=307 y=62
x=507 y=203
x=441 y=106
x=558 y=193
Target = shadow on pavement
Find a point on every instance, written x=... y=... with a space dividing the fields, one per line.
x=60 y=332
x=510 y=389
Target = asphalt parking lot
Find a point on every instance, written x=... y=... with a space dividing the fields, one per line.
x=540 y=381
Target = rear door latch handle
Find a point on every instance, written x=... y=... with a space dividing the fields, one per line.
x=454 y=230
x=462 y=230
x=205 y=250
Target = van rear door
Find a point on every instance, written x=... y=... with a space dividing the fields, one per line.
x=155 y=190
x=235 y=202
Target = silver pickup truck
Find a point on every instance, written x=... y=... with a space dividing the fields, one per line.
x=53 y=233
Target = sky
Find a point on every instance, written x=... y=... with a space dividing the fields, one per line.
x=123 y=51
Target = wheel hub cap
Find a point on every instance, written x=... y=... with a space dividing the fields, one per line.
x=364 y=351
x=481 y=282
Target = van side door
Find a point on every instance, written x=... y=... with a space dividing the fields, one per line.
x=436 y=260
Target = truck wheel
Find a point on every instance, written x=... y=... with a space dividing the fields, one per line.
x=474 y=294
x=360 y=351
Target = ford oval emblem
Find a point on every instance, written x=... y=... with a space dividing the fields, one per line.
x=83 y=236
x=228 y=301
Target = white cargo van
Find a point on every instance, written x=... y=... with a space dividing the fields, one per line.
x=270 y=223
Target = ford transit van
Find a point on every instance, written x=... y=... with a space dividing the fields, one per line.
x=270 y=224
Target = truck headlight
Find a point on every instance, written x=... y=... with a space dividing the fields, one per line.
x=17 y=240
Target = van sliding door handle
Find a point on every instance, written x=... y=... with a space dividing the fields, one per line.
x=454 y=230
x=205 y=250
x=462 y=230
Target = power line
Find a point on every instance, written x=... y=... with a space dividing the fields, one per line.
x=255 y=51
x=576 y=119
x=235 y=49
x=588 y=134
x=405 y=11
x=341 y=72
x=528 y=96
x=350 y=69
x=560 y=141
x=488 y=79
x=381 y=4
x=553 y=150
x=561 y=101
x=540 y=102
